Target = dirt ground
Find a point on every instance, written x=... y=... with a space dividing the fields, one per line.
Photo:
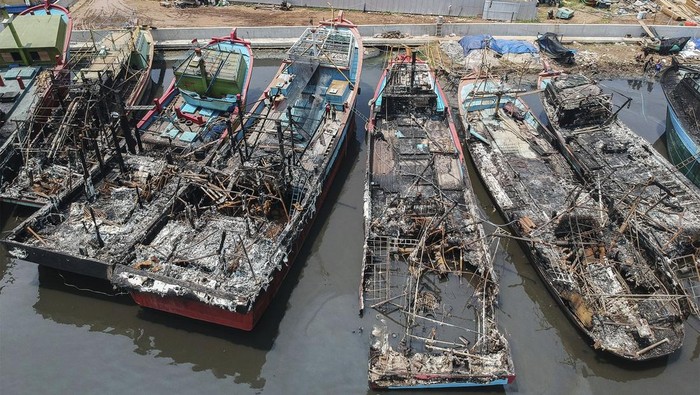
x=599 y=59
x=100 y=14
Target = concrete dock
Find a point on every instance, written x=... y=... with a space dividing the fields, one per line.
x=281 y=37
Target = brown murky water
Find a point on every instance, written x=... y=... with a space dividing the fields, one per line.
x=58 y=336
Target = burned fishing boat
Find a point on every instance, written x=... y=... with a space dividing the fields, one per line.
x=206 y=98
x=593 y=268
x=127 y=186
x=426 y=273
x=98 y=224
x=33 y=51
x=226 y=245
x=115 y=186
x=104 y=82
x=645 y=193
x=681 y=85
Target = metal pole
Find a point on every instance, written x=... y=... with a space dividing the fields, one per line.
x=250 y=265
x=98 y=154
x=117 y=149
x=97 y=229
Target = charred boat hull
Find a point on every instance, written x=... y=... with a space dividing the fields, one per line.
x=90 y=229
x=59 y=260
x=266 y=183
x=240 y=319
x=604 y=284
x=645 y=193
x=420 y=213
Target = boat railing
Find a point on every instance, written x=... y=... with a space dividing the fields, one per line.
x=692 y=81
x=688 y=271
x=318 y=43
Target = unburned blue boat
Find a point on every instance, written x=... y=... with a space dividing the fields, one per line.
x=681 y=85
x=206 y=98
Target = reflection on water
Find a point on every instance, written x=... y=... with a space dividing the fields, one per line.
x=58 y=338
x=178 y=340
x=10 y=216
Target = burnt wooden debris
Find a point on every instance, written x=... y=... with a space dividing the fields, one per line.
x=427 y=271
x=595 y=267
x=68 y=140
x=644 y=193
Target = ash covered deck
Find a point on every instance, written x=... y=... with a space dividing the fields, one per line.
x=646 y=193
x=596 y=270
x=426 y=273
x=103 y=223
x=234 y=234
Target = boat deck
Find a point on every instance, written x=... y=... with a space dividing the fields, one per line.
x=606 y=284
x=259 y=203
x=15 y=102
x=427 y=274
x=647 y=192
x=106 y=226
x=113 y=54
x=184 y=127
x=234 y=233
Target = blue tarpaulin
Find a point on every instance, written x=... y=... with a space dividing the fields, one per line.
x=474 y=42
x=512 y=46
x=502 y=47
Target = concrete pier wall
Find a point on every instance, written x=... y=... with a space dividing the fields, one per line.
x=425 y=7
x=281 y=37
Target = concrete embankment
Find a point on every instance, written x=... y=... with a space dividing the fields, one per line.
x=280 y=37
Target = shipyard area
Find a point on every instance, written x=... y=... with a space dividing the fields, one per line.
x=357 y=197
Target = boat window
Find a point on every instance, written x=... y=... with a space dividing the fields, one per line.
x=35 y=56
x=16 y=56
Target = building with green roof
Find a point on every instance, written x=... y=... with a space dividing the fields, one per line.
x=32 y=40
